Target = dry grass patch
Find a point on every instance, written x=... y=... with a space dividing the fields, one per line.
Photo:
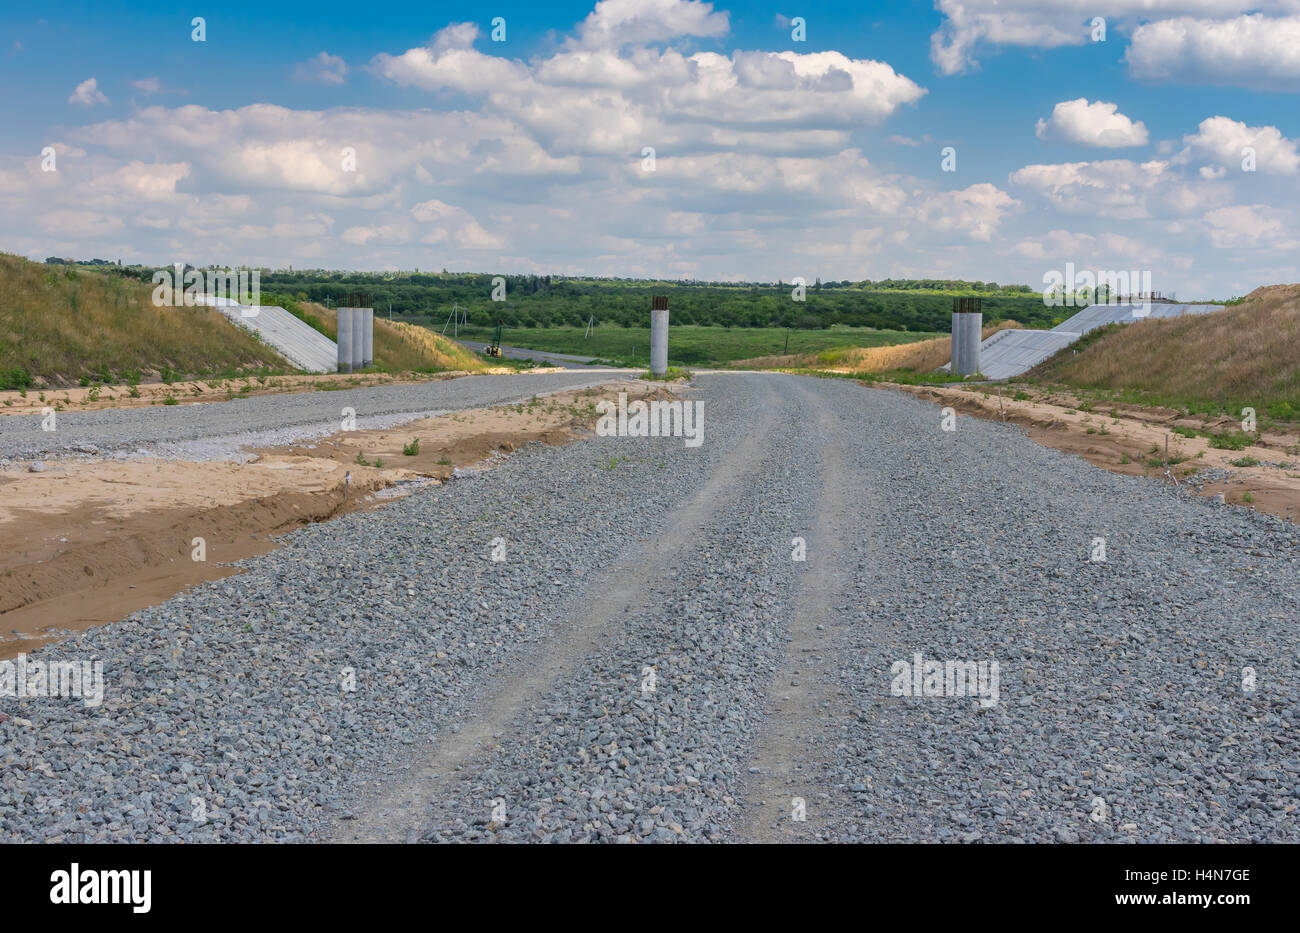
x=1245 y=355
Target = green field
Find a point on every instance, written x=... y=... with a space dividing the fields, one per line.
x=688 y=345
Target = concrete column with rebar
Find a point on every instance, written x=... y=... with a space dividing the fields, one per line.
x=345 y=339
x=967 y=333
x=659 y=335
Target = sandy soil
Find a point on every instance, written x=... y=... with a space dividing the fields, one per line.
x=1131 y=439
x=12 y=402
x=92 y=542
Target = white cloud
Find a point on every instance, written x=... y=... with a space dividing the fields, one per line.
x=324 y=68
x=88 y=94
x=615 y=23
x=1251 y=226
x=152 y=85
x=1250 y=51
x=1119 y=189
x=1092 y=124
x=1105 y=250
x=974 y=212
x=615 y=100
x=1046 y=24
x=445 y=223
x=1222 y=140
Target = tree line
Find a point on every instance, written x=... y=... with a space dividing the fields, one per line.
x=547 y=300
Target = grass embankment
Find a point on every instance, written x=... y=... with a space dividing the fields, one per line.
x=398 y=347
x=905 y=362
x=689 y=344
x=1247 y=355
x=61 y=325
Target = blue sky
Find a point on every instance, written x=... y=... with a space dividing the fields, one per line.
x=774 y=158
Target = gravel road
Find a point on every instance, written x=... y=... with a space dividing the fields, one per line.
x=265 y=420
x=651 y=662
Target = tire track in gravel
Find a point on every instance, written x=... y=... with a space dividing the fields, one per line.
x=805 y=702
x=398 y=812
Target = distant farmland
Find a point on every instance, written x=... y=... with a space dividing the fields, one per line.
x=690 y=345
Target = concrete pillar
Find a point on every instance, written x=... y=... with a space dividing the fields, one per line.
x=368 y=350
x=358 y=337
x=966 y=331
x=345 y=340
x=659 y=336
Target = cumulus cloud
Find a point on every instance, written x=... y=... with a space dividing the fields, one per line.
x=1105 y=250
x=1092 y=124
x=975 y=212
x=1250 y=51
x=1224 y=142
x=614 y=100
x=1118 y=188
x=615 y=23
x=1251 y=226
x=1044 y=24
x=88 y=94
x=324 y=68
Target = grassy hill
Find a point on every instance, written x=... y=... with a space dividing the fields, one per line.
x=1246 y=355
x=66 y=325
x=60 y=324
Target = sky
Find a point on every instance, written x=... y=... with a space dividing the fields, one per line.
x=988 y=140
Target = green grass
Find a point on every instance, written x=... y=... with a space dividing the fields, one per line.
x=908 y=377
x=672 y=374
x=691 y=344
x=412 y=448
x=1245 y=462
x=1233 y=441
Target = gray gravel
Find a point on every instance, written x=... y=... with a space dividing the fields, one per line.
x=217 y=428
x=1119 y=680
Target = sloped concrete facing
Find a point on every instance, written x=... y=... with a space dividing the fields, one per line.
x=1009 y=353
x=1094 y=316
x=302 y=345
x=1020 y=350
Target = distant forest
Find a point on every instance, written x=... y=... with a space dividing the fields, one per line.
x=544 y=300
